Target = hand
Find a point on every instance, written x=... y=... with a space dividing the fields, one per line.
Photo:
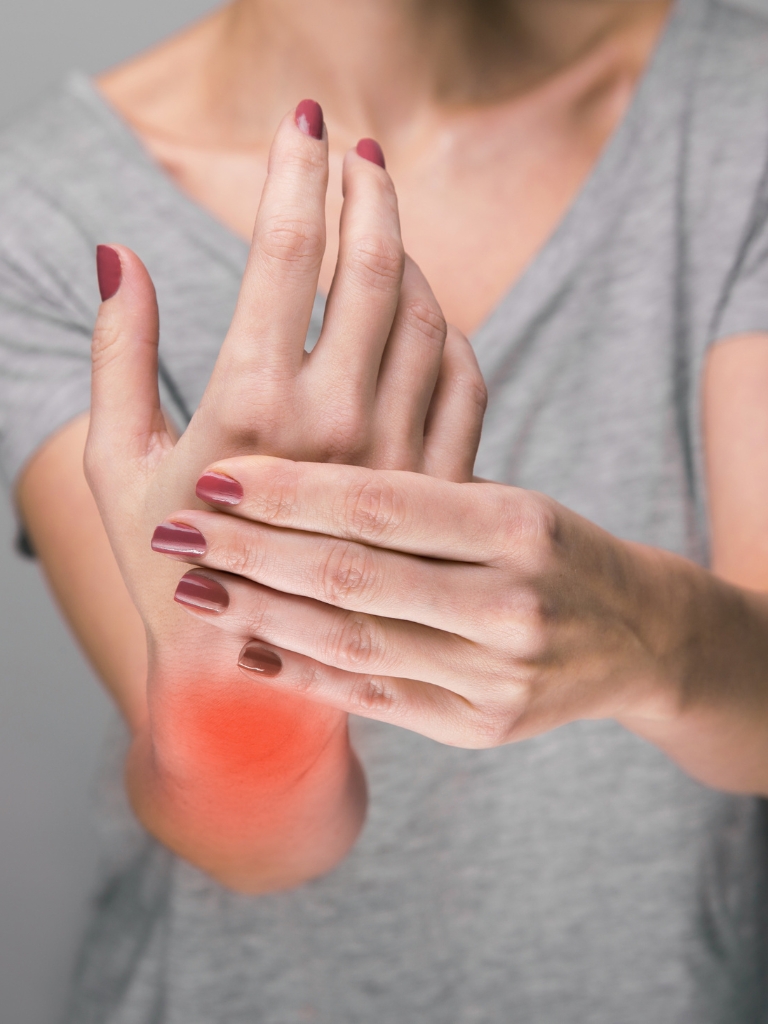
x=386 y=385
x=473 y=613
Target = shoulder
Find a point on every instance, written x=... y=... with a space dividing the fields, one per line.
x=54 y=174
x=57 y=139
x=723 y=121
x=749 y=14
x=721 y=172
x=734 y=55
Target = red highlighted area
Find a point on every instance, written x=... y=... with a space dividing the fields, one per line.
x=257 y=787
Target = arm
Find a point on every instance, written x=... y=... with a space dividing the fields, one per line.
x=479 y=614
x=69 y=537
x=721 y=731
x=61 y=516
x=258 y=787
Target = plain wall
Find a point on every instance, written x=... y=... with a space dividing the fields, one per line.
x=52 y=713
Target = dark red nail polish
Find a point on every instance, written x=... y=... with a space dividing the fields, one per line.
x=309 y=118
x=369 y=149
x=201 y=592
x=178 y=539
x=217 y=489
x=258 y=658
x=108 y=270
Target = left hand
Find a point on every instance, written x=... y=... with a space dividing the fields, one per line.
x=473 y=613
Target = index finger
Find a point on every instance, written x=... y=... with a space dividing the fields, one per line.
x=269 y=328
x=408 y=512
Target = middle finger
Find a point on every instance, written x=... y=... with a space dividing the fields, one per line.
x=444 y=595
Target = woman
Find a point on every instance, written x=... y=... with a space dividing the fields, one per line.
x=583 y=185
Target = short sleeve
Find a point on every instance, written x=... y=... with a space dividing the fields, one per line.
x=48 y=304
x=744 y=308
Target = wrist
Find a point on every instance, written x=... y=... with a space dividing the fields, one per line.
x=707 y=701
x=669 y=609
x=268 y=830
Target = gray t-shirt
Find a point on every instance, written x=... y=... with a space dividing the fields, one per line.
x=577 y=878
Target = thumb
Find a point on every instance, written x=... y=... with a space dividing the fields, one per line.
x=126 y=418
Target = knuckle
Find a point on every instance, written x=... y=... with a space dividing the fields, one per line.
x=240 y=558
x=371 y=694
x=348 y=570
x=232 y=411
x=534 y=627
x=355 y=643
x=105 y=343
x=343 y=434
x=257 y=617
x=469 y=386
x=474 y=388
x=238 y=432
x=522 y=619
x=528 y=526
x=376 y=262
x=277 y=500
x=461 y=370
x=491 y=727
x=311 y=678
x=302 y=159
x=425 y=320
x=287 y=241
x=373 y=509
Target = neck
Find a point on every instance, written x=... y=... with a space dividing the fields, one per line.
x=390 y=69
x=359 y=58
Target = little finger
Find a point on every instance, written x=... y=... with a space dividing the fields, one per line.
x=455 y=419
x=408 y=374
x=410 y=704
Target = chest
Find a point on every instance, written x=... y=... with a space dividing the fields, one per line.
x=476 y=205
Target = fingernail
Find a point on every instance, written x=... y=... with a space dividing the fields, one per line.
x=177 y=539
x=258 y=658
x=369 y=149
x=218 y=489
x=108 y=270
x=309 y=118
x=201 y=592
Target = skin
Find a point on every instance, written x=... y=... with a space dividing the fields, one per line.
x=479 y=614
x=498 y=174
x=259 y=788
x=492 y=152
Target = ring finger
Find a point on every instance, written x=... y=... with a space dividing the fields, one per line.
x=364 y=295
x=350 y=641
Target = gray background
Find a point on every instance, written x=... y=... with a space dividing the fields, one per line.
x=52 y=714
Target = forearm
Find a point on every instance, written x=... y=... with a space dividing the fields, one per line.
x=61 y=516
x=708 y=708
x=282 y=826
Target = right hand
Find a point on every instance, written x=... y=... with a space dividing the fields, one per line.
x=221 y=770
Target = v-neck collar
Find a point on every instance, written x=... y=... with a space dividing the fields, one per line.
x=553 y=261
x=604 y=190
